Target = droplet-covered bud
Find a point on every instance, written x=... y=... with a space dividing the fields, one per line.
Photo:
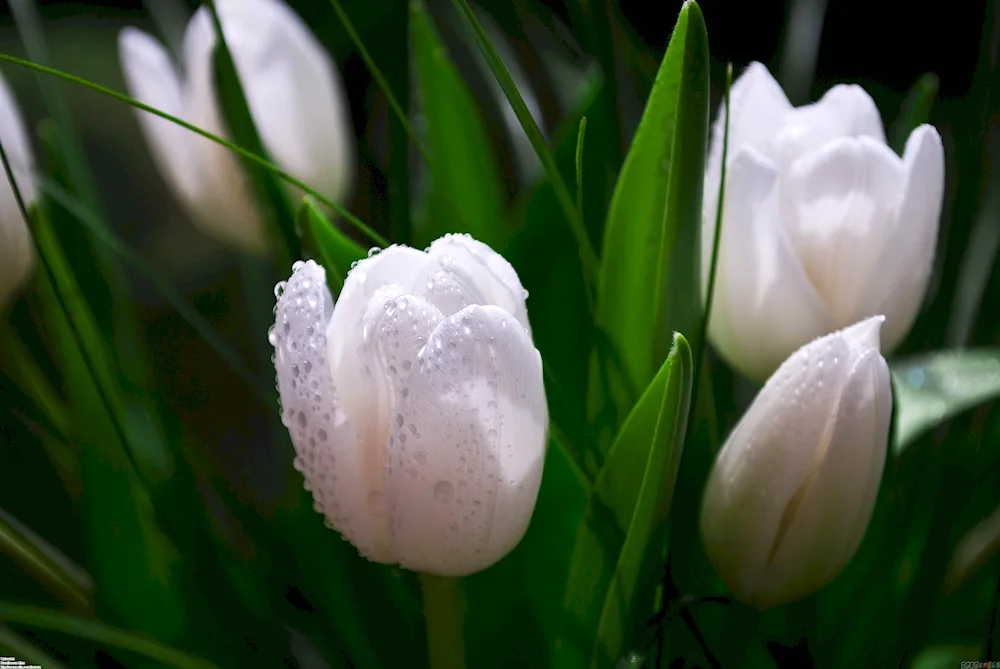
x=793 y=489
x=415 y=403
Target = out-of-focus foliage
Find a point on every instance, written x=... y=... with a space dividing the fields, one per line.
x=150 y=514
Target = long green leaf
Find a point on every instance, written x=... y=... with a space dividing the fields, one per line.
x=930 y=389
x=45 y=563
x=657 y=202
x=199 y=323
x=638 y=563
x=621 y=536
x=464 y=188
x=99 y=633
x=916 y=110
x=337 y=252
x=14 y=644
x=271 y=199
x=588 y=258
x=238 y=150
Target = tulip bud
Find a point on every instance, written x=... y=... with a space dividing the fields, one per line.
x=294 y=95
x=793 y=489
x=823 y=224
x=16 y=254
x=415 y=403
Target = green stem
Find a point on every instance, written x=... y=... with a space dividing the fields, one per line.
x=443 y=611
x=738 y=629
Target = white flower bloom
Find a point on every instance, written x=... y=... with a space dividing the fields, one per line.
x=823 y=224
x=794 y=487
x=16 y=250
x=294 y=94
x=415 y=403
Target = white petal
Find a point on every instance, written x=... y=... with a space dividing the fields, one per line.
x=760 y=282
x=152 y=79
x=845 y=111
x=396 y=266
x=224 y=206
x=469 y=443
x=395 y=328
x=906 y=269
x=16 y=249
x=854 y=111
x=842 y=216
x=325 y=441
x=757 y=106
x=837 y=502
x=766 y=459
x=293 y=91
x=466 y=271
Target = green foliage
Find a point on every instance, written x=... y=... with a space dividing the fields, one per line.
x=154 y=517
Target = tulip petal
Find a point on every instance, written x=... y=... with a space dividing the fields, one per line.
x=907 y=267
x=841 y=219
x=224 y=205
x=838 y=500
x=469 y=443
x=766 y=460
x=397 y=265
x=293 y=91
x=152 y=79
x=16 y=248
x=760 y=281
x=325 y=442
x=466 y=272
x=757 y=106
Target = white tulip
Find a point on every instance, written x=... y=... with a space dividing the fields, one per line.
x=415 y=403
x=823 y=224
x=793 y=489
x=294 y=94
x=16 y=251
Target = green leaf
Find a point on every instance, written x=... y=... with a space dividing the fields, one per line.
x=619 y=542
x=46 y=563
x=588 y=258
x=657 y=202
x=648 y=450
x=14 y=644
x=99 y=633
x=336 y=251
x=463 y=190
x=915 y=111
x=930 y=389
x=271 y=198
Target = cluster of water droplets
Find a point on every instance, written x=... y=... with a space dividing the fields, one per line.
x=310 y=407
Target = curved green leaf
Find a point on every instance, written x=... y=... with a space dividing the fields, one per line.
x=930 y=389
x=98 y=632
x=463 y=190
x=620 y=538
x=656 y=430
x=336 y=251
x=654 y=223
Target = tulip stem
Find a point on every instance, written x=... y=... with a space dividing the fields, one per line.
x=738 y=628
x=443 y=611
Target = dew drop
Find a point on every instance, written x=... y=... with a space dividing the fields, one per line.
x=321 y=434
x=444 y=491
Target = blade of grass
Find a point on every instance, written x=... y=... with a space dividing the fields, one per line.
x=232 y=101
x=587 y=255
x=238 y=150
x=579 y=166
x=710 y=294
x=46 y=564
x=84 y=330
x=379 y=78
x=99 y=633
x=160 y=282
x=21 y=367
x=14 y=644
